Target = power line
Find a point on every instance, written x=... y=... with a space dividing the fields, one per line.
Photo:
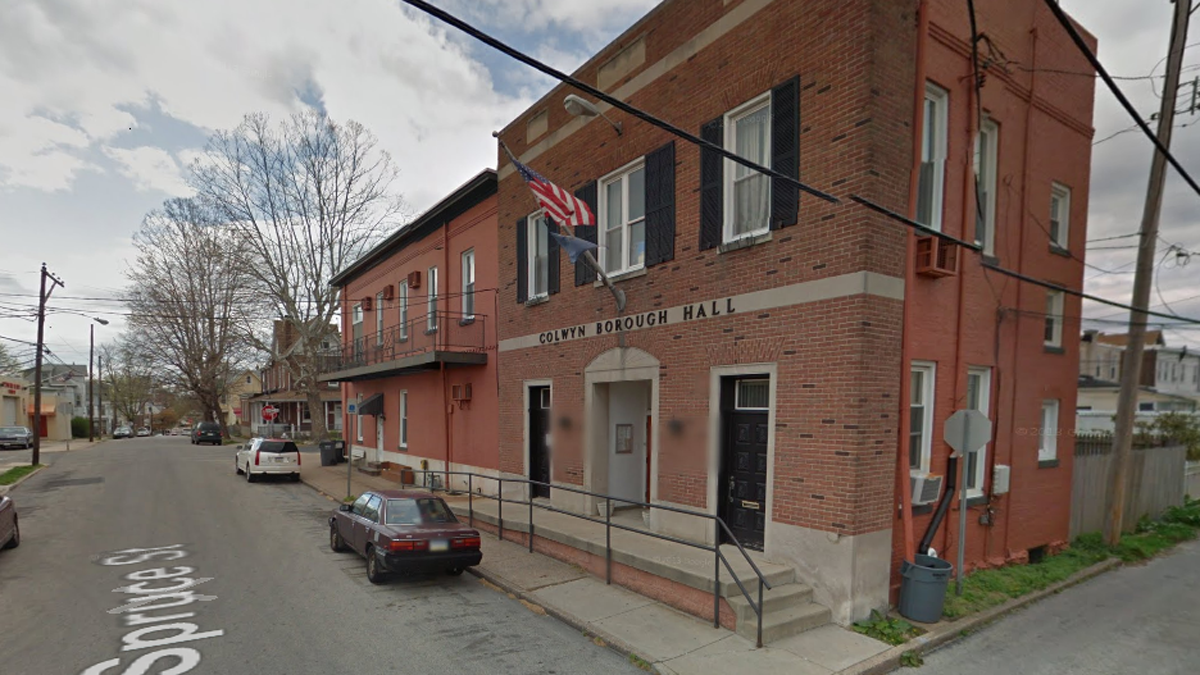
x=1108 y=80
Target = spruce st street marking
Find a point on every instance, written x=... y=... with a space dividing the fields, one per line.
x=156 y=589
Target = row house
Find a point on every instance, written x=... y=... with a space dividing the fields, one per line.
x=786 y=363
x=417 y=365
x=280 y=391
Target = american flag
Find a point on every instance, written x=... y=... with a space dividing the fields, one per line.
x=561 y=205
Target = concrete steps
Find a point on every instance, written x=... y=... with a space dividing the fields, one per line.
x=787 y=610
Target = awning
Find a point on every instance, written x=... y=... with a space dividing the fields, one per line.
x=47 y=409
x=372 y=405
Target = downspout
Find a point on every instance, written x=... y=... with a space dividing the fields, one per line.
x=902 y=481
x=443 y=330
x=1021 y=251
x=970 y=206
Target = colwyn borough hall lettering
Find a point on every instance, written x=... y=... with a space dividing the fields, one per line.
x=658 y=317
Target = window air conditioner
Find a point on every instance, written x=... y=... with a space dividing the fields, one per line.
x=414 y=279
x=936 y=257
x=1001 y=477
x=926 y=488
x=366 y=304
x=389 y=292
x=460 y=392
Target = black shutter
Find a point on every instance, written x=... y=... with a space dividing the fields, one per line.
x=660 y=205
x=584 y=273
x=785 y=152
x=712 y=188
x=522 y=261
x=552 y=261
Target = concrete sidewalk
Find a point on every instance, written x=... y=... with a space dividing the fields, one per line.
x=651 y=633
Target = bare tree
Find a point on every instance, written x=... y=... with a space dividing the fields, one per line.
x=305 y=199
x=186 y=288
x=9 y=365
x=128 y=378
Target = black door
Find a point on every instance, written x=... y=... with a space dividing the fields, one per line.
x=743 y=501
x=539 y=426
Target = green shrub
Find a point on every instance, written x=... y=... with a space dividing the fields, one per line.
x=79 y=427
x=887 y=629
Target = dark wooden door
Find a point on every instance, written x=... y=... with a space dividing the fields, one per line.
x=539 y=427
x=744 y=489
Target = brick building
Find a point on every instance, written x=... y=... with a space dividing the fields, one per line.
x=417 y=356
x=278 y=389
x=760 y=368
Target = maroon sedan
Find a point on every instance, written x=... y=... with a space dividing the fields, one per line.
x=10 y=530
x=404 y=531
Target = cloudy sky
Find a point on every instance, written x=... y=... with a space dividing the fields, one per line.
x=106 y=100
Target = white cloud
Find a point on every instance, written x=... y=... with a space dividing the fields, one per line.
x=150 y=168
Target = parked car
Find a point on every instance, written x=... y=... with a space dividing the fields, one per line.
x=206 y=432
x=10 y=529
x=123 y=432
x=267 y=456
x=16 y=437
x=404 y=531
x=143 y=432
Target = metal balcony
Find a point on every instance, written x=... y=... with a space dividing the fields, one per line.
x=422 y=343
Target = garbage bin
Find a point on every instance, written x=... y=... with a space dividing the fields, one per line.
x=329 y=454
x=923 y=588
x=339 y=451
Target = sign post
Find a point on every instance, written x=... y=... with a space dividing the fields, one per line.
x=351 y=409
x=269 y=413
x=966 y=431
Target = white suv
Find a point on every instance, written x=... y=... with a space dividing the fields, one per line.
x=267 y=456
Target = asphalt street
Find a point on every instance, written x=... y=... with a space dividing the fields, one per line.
x=1142 y=619
x=234 y=577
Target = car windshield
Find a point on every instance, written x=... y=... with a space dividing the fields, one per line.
x=12 y=430
x=423 y=511
x=278 y=446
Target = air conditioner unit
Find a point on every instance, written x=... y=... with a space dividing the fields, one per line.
x=936 y=257
x=389 y=292
x=460 y=392
x=414 y=279
x=1001 y=477
x=366 y=303
x=926 y=488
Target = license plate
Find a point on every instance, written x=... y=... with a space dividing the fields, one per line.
x=280 y=460
x=439 y=545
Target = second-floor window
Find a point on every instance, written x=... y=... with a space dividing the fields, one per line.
x=986 y=152
x=379 y=319
x=931 y=182
x=431 y=319
x=748 y=192
x=356 y=325
x=468 y=284
x=623 y=217
x=920 y=432
x=538 y=255
x=1060 y=214
x=402 y=305
x=1054 y=318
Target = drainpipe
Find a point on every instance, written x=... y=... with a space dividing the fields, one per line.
x=444 y=330
x=969 y=208
x=902 y=482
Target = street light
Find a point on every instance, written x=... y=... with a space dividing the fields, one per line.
x=92 y=378
x=581 y=107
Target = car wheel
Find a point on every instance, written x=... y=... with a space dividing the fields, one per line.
x=335 y=540
x=16 y=538
x=296 y=478
x=454 y=571
x=249 y=476
x=374 y=572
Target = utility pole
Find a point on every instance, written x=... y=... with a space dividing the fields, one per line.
x=91 y=379
x=1132 y=371
x=43 y=296
x=100 y=390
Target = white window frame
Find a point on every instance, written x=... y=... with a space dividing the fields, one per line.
x=402 y=306
x=933 y=149
x=1063 y=217
x=356 y=314
x=531 y=227
x=983 y=405
x=622 y=176
x=431 y=318
x=403 y=424
x=730 y=120
x=379 y=319
x=468 y=284
x=928 y=370
x=1048 y=431
x=1054 y=313
x=987 y=142
x=737 y=392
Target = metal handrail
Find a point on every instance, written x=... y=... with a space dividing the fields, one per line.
x=609 y=525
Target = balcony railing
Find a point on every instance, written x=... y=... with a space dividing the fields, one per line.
x=427 y=334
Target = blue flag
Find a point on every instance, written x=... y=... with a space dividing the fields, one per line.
x=574 y=246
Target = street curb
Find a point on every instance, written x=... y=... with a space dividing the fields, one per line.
x=5 y=489
x=946 y=633
x=320 y=491
x=611 y=641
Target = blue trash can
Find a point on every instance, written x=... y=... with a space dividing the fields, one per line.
x=923 y=588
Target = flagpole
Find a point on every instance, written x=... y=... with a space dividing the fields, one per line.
x=617 y=293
